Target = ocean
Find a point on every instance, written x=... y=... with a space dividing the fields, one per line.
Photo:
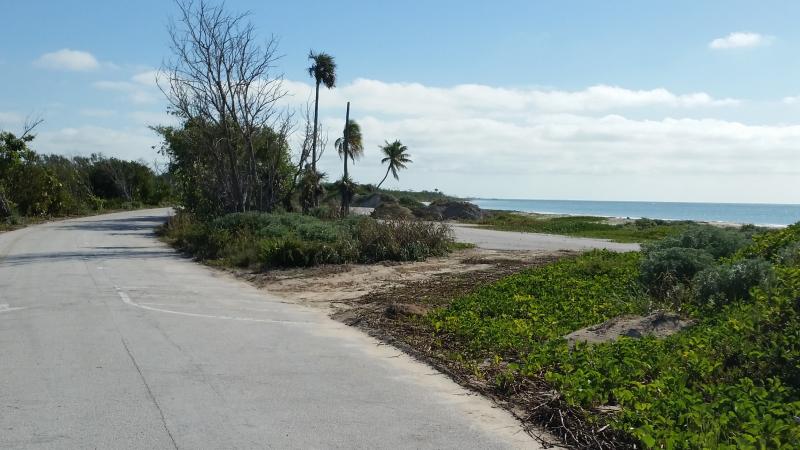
x=754 y=213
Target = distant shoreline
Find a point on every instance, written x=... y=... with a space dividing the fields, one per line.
x=619 y=220
x=763 y=215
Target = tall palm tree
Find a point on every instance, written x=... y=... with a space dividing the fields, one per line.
x=354 y=148
x=397 y=158
x=351 y=146
x=323 y=70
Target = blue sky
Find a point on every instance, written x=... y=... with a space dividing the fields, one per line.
x=685 y=101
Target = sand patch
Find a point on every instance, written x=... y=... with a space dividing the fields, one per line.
x=658 y=324
x=335 y=287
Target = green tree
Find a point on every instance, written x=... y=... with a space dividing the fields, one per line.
x=396 y=156
x=14 y=152
x=351 y=146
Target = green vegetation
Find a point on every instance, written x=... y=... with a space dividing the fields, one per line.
x=641 y=230
x=415 y=196
x=261 y=240
x=732 y=380
x=35 y=186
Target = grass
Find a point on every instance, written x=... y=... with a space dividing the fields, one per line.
x=642 y=230
x=455 y=246
x=730 y=381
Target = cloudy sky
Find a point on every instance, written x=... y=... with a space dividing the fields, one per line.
x=684 y=101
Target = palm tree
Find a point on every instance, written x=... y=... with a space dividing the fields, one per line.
x=323 y=70
x=350 y=146
x=397 y=158
x=355 y=146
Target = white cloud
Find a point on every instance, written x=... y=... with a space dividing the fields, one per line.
x=791 y=100
x=412 y=99
x=10 y=119
x=140 y=89
x=66 y=59
x=134 y=144
x=740 y=39
x=466 y=136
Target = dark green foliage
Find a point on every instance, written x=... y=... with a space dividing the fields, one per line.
x=718 y=242
x=294 y=240
x=50 y=185
x=663 y=269
x=729 y=281
x=210 y=182
x=410 y=202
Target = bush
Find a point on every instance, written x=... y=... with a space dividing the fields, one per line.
x=410 y=203
x=400 y=240
x=725 y=283
x=771 y=244
x=392 y=211
x=293 y=240
x=718 y=242
x=662 y=270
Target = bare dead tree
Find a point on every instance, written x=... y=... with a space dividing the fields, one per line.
x=220 y=78
x=304 y=162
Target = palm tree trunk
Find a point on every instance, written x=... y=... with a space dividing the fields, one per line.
x=314 y=137
x=346 y=152
x=384 y=178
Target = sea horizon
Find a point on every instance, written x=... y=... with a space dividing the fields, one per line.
x=762 y=214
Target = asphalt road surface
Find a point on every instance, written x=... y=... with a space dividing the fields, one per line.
x=108 y=339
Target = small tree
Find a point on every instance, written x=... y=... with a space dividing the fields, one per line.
x=396 y=156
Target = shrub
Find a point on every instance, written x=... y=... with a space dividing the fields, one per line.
x=410 y=203
x=293 y=240
x=718 y=242
x=293 y=252
x=770 y=244
x=392 y=211
x=731 y=281
x=661 y=270
x=401 y=240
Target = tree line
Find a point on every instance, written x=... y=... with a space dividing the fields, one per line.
x=232 y=151
x=33 y=184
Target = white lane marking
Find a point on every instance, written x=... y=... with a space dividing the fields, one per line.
x=127 y=300
x=5 y=307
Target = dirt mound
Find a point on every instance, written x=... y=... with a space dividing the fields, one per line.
x=392 y=211
x=373 y=200
x=450 y=210
x=659 y=324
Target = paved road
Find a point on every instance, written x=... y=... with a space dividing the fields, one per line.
x=509 y=240
x=110 y=340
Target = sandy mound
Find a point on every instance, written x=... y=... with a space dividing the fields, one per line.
x=659 y=324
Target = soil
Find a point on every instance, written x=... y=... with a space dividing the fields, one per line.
x=659 y=324
x=343 y=287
